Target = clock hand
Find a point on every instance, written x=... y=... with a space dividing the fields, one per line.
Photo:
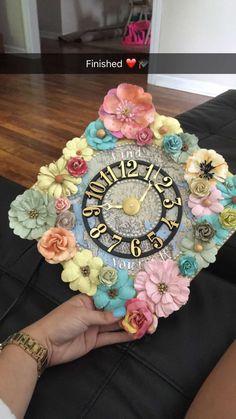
x=107 y=206
x=145 y=193
x=149 y=186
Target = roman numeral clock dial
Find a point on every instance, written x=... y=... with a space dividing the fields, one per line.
x=132 y=209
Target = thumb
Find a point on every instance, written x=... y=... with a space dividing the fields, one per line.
x=99 y=318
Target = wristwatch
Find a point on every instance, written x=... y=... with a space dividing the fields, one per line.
x=31 y=347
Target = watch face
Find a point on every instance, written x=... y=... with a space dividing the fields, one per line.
x=130 y=206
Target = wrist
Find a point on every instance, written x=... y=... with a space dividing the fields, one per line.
x=37 y=333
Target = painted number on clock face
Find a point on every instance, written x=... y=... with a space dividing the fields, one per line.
x=134 y=170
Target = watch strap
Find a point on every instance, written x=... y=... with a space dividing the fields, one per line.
x=32 y=347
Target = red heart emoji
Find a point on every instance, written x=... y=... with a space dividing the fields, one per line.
x=131 y=62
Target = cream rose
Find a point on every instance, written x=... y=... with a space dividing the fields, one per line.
x=199 y=187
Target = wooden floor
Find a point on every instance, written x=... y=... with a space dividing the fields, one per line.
x=39 y=113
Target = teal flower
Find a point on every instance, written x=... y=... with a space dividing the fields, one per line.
x=188 y=266
x=98 y=137
x=228 y=190
x=31 y=214
x=204 y=252
x=172 y=144
x=221 y=233
x=189 y=145
x=113 y=298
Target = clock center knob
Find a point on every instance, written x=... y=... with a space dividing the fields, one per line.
x=131 y=205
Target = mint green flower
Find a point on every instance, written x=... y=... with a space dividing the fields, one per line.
x=204 y=252
x=31 y=214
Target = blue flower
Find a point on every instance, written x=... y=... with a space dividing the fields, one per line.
x=189 y=146
x=228 y=190
x=98 y=137
x=172 y=144
x=113 y=298
x=221 y=233
x=188 y=265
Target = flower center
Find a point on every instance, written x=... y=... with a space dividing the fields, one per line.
x=85 y=270
x=234 y=199
x=206 y=168
x=101 y=133
x=125 y=111
x=163 y=130
x=206 y=202
x=78 y=152
x=162 y=287
x=198 y=247
x=113 y=293
x=185 y=147
x=59 y=179
x=33 y=213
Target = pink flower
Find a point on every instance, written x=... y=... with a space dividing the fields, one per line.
x=77 y=166
x=62 y=204
x=139 y=319
x=144 y=136
x=207 y=205
x=57 y=245
x=162 y=287
x=126 y=110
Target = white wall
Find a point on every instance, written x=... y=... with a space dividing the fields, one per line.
x=79 y=15
x=200 y=26
x=11 y=25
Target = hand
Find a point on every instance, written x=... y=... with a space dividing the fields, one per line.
x=75 y=328
x=145 y=193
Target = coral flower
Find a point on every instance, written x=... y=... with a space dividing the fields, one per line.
x=57 y=245
x=126 y=110
x=206 y=164
x=162 y=287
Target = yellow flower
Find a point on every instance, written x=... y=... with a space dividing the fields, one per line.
x=228 y=218
x=82 y=272
x=56 y=180
x=78 y=147
x=206 y=164
x=199 y=187
x=163 y=125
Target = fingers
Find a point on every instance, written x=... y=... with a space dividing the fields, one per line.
x=98 y=318
x=110 y=327
x=112 y=338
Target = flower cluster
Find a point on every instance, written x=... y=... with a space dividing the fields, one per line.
x=46 y=212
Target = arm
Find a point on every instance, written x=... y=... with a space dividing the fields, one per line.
x=68 y=332
x=216 y=398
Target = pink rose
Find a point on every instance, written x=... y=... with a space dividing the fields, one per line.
x=57 y=245
x=139 y=319
x=144 y=136
x=77 y=166
x=62 y=204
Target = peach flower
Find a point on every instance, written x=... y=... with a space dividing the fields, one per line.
x=206 y=164
x=126 y=110
x=57 y=245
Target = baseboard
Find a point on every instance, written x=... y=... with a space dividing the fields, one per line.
x=11 y=49
x=187 y=85
x=49 y=35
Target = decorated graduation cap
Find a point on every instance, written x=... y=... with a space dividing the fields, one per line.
x=132 y=210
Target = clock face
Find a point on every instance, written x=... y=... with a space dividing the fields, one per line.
x=131 y=206
x=121 y=197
